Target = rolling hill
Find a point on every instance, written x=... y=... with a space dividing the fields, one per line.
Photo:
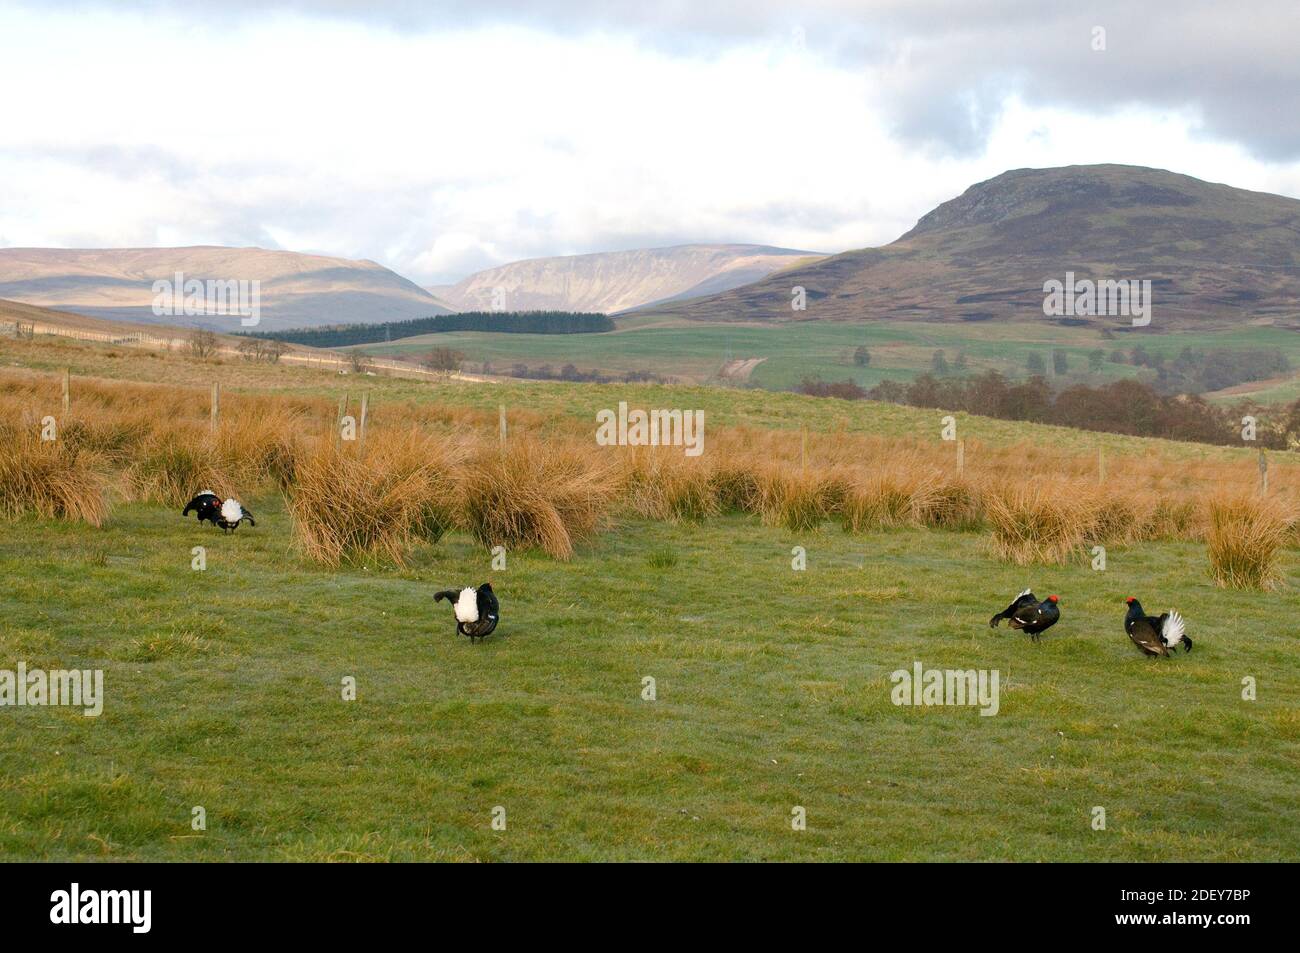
x=296 y=290
x=610 y=282
x=1216 y=255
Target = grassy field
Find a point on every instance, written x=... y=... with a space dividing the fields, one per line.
x=1267 y=392
x=224 y=686
x=899 y=350
x=532 y=400
x=223 y=691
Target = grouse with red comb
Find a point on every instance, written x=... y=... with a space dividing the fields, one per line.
x=1029 y=615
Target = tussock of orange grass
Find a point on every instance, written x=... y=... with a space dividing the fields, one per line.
x=1173 y=518
x=49 y=479
x=547 y=496
x=951 y=502
x=735 y=485
x=881 y=499
x=257 y=449
x=173 y=465
x=797 y=498
x=664 y=484
x=114 y=437
x=1036 y=522
x=350 y=501
x=1113 y=517
x=1245 y=537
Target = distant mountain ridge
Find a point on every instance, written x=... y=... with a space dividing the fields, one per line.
x=1216 y=255
x=296 y=290
x=611 y=282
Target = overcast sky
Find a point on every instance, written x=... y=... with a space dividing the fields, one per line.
x=442 y=138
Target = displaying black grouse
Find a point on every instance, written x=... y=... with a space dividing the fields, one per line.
x=1155 y=635
x=1029 y=615
x=477 y=610
x=227 y=514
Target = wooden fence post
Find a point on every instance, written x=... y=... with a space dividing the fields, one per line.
x=216 y=405
x=961 y=457
x=501 y=425
x=1263 y=473
x=361 y=426
x=67 y=395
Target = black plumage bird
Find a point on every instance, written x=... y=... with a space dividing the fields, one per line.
x=206 y=504
x=477 y=610
x=1155 y=635
x=1029 y=615
x=226 y=514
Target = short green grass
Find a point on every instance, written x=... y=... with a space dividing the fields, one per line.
x=224 y=691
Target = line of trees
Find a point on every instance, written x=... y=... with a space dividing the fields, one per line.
x=571 y=373
x=506 y=322
x=1125 y=407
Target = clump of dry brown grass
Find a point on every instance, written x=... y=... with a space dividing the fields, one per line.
x=1114 y=517
x=258 y=449
x=174 y=464
x=952 y=502
x=886 y=498
x=530 y=494
x=114 y=437
x=1245 y=537
x=249 y=452
x=910 y=492
x=48 y=479
x=352 y=501
x=1176 y=518
x=1036 y=521
x=800 y=499
x=735 y=484
x=667 y=485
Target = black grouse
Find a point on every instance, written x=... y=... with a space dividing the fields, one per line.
x=227 y=514
x=1029 y=615
x=1155 y=635
x=477 y=610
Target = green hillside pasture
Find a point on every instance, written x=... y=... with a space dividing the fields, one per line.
x=791 y=351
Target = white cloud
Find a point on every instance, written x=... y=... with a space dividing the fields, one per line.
x=438 y=151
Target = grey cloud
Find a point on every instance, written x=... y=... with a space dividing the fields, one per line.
x=1237 y=65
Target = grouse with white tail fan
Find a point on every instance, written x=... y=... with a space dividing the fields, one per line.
x=227 y=514
x=477 y=610
x=1029 y=615
x=1155 y=635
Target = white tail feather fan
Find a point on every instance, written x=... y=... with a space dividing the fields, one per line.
x=231 y=511
x=1173 y=629
x=467 y=606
